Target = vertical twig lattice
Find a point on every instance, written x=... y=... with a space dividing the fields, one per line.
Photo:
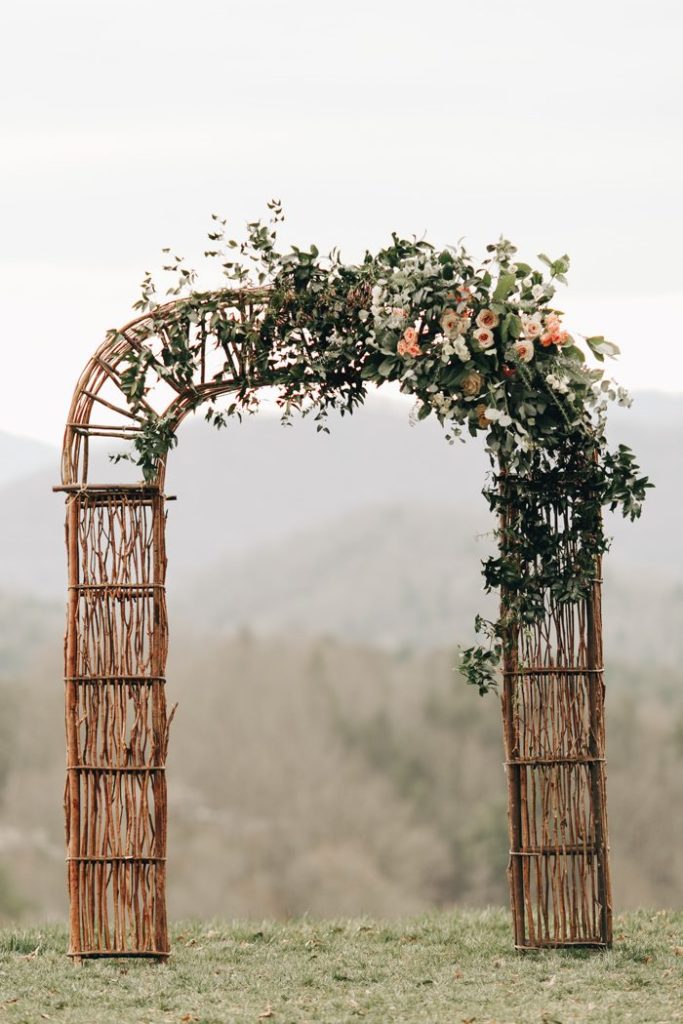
x=553 y=714
x=117 y=726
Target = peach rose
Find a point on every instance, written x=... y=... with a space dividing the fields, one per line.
x=484 y=337
x=451 y=323
x=531 y=327
x=408 y=345
x=488 y=319
x=553 y=333
x=524 y=350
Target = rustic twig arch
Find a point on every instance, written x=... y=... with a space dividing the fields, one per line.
x=116 y=714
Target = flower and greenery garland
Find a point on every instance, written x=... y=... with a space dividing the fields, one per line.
x=482 y=347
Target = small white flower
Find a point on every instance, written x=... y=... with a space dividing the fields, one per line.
x=558 y=384
x=538 y=291
x=498 y=416
x=461 y=350
x=452 y=346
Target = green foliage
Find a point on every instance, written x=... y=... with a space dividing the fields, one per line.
x=481 y=348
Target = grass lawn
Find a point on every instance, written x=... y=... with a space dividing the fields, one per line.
x=456 y=967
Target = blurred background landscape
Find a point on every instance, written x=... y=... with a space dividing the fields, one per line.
x=326 y=757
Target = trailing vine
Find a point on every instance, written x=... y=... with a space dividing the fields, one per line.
x=480 y=346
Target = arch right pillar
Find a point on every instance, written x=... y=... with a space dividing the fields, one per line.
x=554 y=729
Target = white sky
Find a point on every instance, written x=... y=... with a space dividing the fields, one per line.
x=124 y=126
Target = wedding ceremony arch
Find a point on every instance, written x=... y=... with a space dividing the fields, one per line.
x=484 y=350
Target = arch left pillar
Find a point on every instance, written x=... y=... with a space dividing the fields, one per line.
x=116 y=721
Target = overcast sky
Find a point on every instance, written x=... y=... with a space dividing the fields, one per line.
x=126 y=125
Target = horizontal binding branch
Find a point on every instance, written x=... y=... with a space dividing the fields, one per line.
x=117 y=858
x=165 y=954
x=107 y=769
x=140 y=488
x=123 y=680
x=86 y=427
x=554 y=670
x=557 y=851
x=545 y=762
x=151 y=587
x=562 y=943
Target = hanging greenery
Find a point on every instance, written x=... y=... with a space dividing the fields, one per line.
x=483 y=347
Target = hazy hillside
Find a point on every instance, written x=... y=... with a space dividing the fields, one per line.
x=408 y=576
x=257 y=483
x=332 y=779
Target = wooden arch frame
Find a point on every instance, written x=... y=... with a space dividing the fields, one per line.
x=117 y=720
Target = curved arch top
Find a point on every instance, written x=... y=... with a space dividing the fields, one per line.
x=101 y=406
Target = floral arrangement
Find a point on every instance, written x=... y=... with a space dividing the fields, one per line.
x=483 y=347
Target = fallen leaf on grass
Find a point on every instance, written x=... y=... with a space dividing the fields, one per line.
x=268 y=1012
x=187 y=1017
x=46 y=1016
x=678 y=950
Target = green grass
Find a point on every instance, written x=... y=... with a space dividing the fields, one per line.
x=437 y=968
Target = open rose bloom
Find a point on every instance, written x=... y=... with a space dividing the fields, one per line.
x=554 y=334
x=484 y=337
x=488 y=319
x=524 y=350
x=453 y=324
x=408 y=345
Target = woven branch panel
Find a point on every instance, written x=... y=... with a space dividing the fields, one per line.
x=553 y=712
x=117 y=726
